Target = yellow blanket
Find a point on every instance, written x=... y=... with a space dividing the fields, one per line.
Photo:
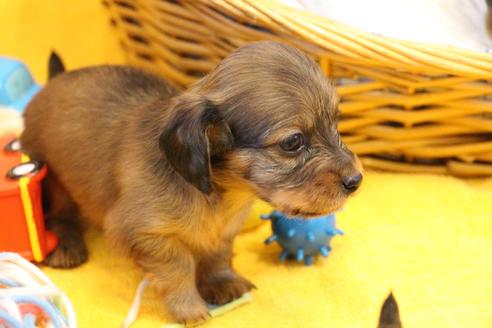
x=426 y=238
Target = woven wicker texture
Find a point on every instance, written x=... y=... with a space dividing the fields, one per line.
x=406 y=107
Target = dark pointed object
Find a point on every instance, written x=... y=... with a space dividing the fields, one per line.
x=390 y=315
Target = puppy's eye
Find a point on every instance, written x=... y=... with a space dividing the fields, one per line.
x=293 y=143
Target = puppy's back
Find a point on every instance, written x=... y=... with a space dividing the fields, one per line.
x=76 y=125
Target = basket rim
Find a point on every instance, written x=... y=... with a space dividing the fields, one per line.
x=363 y=46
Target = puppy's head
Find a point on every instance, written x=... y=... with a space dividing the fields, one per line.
x=266 y=116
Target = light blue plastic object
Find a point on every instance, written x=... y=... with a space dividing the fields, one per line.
x=300 y=238
x=17 y=86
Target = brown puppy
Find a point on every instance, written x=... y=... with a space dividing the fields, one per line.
x=171 y=176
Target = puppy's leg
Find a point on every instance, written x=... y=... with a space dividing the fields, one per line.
x=217 y=281
x=172 y=271
x=71 y=250
x=167 y=261
x=61 y=218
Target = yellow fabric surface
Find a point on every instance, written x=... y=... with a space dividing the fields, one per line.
x=78 y=30
x=426 y=238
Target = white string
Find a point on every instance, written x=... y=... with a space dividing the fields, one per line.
x=11 y=307
x=135 y=307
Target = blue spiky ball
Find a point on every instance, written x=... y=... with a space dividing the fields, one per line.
x=301 y=238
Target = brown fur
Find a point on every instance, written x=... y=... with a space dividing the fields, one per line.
x=390 y=315
x=170 y=177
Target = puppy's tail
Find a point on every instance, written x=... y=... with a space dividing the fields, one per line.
x=390 y=315
x=55 y=65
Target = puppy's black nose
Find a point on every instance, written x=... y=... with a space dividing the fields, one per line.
x=352 y=183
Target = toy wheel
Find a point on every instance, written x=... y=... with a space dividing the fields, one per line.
x=13 y=146
x=24 y=169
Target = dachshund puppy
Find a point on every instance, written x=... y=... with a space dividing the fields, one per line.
x=171 y=176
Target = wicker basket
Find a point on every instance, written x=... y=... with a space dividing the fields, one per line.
x=406 y=106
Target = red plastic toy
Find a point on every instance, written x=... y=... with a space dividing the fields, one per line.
x=22 y=227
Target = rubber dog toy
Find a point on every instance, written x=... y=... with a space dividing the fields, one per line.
x=301 y=238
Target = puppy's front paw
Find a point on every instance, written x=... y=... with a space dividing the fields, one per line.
x=71 y=250
x=223 y=287
x=188 y=308
x=68 y=254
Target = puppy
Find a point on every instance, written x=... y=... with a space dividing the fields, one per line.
x=171 y=176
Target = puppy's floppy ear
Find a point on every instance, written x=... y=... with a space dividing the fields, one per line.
x=195 y=133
